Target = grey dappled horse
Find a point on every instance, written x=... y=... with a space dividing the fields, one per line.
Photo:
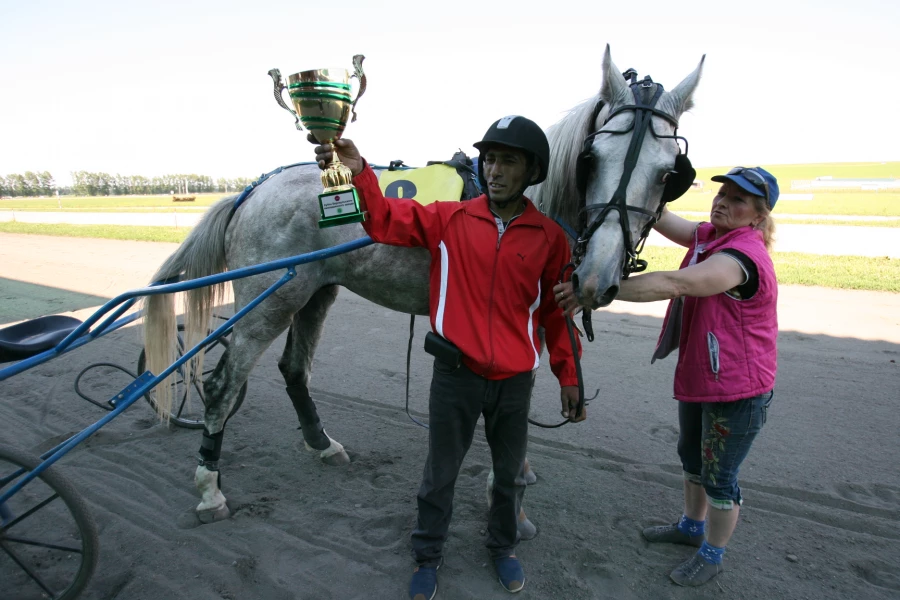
x=280 y=219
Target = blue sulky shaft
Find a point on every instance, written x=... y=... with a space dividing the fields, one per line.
x=147 y=381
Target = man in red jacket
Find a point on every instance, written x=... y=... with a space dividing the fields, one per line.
x=494 y=262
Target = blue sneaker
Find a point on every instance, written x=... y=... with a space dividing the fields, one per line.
x=510 y=573
x=423 y=585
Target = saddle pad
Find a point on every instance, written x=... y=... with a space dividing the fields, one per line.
x=425 y=185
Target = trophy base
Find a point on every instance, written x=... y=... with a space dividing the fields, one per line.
x=344 y=220
x=340 y=208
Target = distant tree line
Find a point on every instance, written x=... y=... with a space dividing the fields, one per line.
x=85 y=183
x=27 y=184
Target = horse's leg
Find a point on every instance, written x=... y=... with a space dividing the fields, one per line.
x=530 y=476
x=296 y=365
x=250 y=338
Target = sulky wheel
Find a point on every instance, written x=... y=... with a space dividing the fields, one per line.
x=188 y=412
x=48 y=540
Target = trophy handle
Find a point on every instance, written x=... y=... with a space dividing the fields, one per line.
x=275 y=74
x=358 y=73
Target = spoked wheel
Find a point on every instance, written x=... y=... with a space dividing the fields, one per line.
x=188 y=412
x=48 y=540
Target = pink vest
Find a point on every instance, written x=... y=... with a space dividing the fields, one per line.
x=727 y=348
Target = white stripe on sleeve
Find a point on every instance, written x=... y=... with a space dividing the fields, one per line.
x=531 y=309
x=442 y=299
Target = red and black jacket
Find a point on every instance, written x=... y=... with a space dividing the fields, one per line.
x=488 y=293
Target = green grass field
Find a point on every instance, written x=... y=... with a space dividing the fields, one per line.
x=785 y=173
x=850 y=202
x=107 y=203
x=793 y=268
x=861 y=221
x=109 y=232
x=856 y=203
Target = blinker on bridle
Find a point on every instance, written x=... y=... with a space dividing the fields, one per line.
x=646 y=95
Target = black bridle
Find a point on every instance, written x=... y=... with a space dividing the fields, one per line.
x=646 y=95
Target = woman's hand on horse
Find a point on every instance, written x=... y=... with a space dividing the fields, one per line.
x=346 y=151
x=568 y=396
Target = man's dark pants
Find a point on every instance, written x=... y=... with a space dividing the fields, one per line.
x=458 y=397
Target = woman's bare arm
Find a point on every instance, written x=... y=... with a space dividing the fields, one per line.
x=675 y=228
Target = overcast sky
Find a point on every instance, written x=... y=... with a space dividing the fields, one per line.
x=181 y=87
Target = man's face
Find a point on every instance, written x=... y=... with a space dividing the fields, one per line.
x=505 y=172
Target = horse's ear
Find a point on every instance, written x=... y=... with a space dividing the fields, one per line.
x=681 y=96
x=614 y=88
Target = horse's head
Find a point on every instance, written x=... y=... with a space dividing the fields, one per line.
x=628 y=154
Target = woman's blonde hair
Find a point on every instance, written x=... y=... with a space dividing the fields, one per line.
x=767 y=225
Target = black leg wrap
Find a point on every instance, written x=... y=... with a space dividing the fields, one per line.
x=210 y=448
x=311 y=427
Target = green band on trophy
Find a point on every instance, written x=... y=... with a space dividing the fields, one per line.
x=322 y=102
x=322 y=120
x=305 y=84
x=328 y=127
x=320 y=96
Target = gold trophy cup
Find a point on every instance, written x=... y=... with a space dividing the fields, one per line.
x=321 y=100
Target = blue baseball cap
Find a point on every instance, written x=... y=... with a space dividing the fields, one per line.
x=754 y=180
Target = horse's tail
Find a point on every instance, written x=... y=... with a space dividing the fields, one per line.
x=201 y=254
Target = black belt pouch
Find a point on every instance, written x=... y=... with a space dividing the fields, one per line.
x=442 y=350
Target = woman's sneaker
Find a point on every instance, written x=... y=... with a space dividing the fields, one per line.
x=670 y=534
x=695 y=572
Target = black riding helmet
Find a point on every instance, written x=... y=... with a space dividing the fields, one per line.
x=520 y=133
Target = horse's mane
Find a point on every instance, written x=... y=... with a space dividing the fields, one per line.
x=558 y=195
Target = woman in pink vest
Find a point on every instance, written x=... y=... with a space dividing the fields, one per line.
x=722 y=318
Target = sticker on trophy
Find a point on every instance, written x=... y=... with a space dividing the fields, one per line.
x=339 y=204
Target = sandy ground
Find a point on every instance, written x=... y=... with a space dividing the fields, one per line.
x=821 y=485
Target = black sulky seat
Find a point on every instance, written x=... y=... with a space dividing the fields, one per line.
x=35 y=336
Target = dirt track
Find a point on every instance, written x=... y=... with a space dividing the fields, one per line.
x=821 y=484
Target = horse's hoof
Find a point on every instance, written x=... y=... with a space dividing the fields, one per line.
x=338 y=459
x=334 y=455
x=213 y=514
x=530 y=477
x=527 y=530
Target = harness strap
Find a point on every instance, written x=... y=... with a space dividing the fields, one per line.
x=565 y=227
x=249 y=189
